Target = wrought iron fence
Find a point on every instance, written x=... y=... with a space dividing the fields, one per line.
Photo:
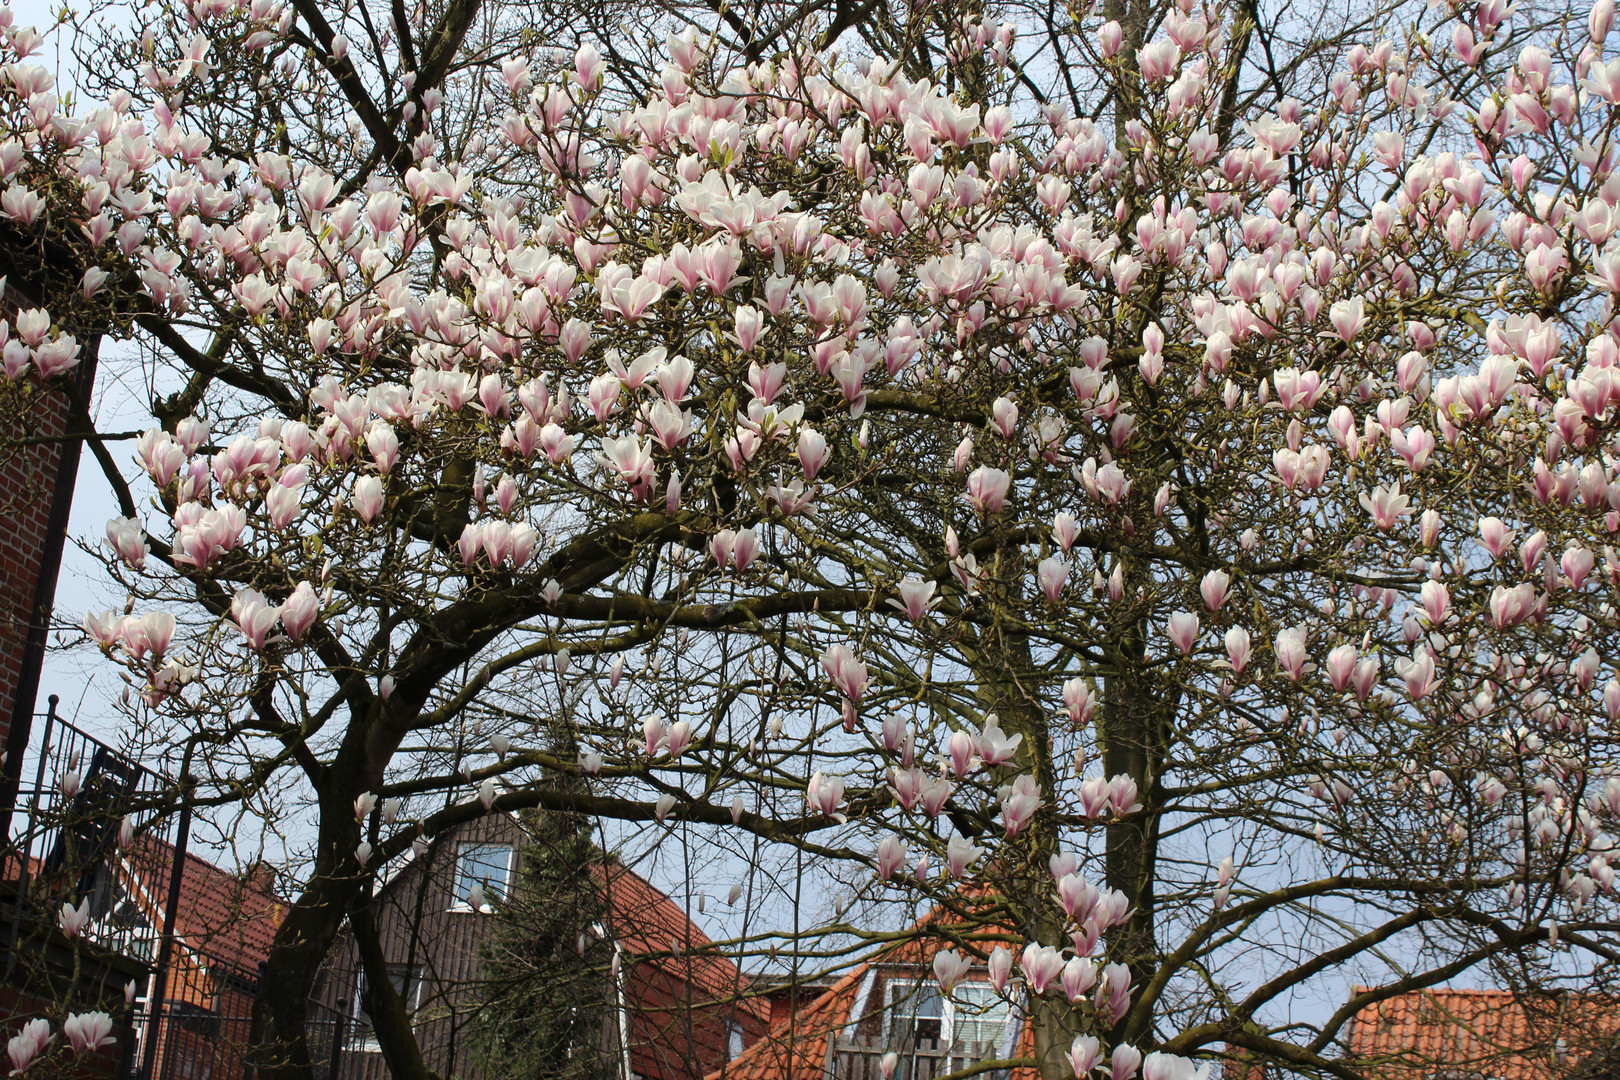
x=203 y=1029
x=74 y=801
x=192 y=1015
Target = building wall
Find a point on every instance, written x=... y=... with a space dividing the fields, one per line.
x=677 y=1030
x=418 y=927
x=37 y=471
x=27 y=484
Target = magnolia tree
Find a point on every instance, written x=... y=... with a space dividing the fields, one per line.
x=1162 y=473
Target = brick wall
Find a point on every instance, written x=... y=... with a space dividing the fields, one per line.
x=28 y=476
x=37 y=471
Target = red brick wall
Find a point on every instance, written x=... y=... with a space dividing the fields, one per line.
x=37 y=470
x=28 y=477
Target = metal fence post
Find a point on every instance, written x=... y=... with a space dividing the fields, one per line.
x=154 y=1005
x=340 y=1033
x=249 y=1050
x=126 y=1061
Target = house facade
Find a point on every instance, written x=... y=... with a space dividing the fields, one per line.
x=889 y=1004
x=681 y=1010
x=223 y=927
x=39 y=462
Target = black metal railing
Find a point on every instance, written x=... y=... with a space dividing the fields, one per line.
x=75 y=795
x=91 y=823
x=204 y=1029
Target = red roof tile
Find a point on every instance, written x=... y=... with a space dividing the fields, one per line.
x=646 y=922
x=1478 y=1033
x=222 y=917
x=796 y=1048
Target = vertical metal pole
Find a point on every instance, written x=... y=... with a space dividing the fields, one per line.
x=340 y=1032
x=246 y=1030
x=15 y=933
x=126 y=1060
x=154 y=1004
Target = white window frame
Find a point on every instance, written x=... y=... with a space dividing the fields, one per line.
x=948 y=1010
x=367 y=1042
x=951 y=1009
x=457 y=902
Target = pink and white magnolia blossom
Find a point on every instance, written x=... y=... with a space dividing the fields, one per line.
x=891 y=856
x=1000 y=967
x=916 y=598
x=1126 y=1059
x=1083 y=1055
x=988 y=488
x=32 y=1041
x=960 y=853
x=824 y=794
x=1182 y=630
x=950 y=967
x=686 y=376
x=1042 y=965
x=73 y=919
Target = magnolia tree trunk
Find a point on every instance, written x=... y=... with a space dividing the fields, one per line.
x=1138 y=715
x=1006 y=676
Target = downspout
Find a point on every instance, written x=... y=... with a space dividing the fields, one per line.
x=624 y=1011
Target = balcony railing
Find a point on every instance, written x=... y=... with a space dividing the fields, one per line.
x=857 y=1058
x=74 y=793
x=192 y=1015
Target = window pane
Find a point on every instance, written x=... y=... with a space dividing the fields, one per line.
x=916 y=999
x=407 y=984
x=976 y=996
x=487 y=863
x=917 y=1011
x=981 y=1014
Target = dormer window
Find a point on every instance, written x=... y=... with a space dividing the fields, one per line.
x=486 y=865
x=916 y=1012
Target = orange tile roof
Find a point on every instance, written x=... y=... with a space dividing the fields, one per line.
x=796 y=1048
x=1485 y=1033
x=646 y=922
x=223 y=917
